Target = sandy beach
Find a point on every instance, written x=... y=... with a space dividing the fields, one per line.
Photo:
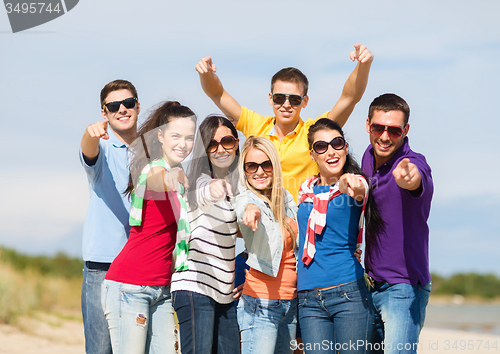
x=442 y=341
x=49 y=334
x=45 y=334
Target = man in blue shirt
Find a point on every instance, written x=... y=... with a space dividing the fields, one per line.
x=104 y=156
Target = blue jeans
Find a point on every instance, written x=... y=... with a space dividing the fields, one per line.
x=205 y=325
x=399 y=317
x=240 y=268
x=267 y=326
x=336 y=320
x=97 y=340
x=140 y=318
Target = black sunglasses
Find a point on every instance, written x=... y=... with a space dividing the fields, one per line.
x=115 y=105
x=280 y=98
x=320 y=147
x=253 y=167
x=228 y=142
x=379 y=129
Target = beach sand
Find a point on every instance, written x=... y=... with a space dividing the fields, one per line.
x=45 y=334
x=49 y=334
x=443 y=341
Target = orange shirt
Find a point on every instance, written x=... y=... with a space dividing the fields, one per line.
x=284 y=285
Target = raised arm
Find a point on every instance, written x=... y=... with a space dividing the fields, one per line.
x=355 y=86
x=213 y=88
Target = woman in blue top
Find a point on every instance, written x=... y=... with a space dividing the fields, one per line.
x=335 y=306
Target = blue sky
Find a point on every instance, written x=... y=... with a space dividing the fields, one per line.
x=439 y=55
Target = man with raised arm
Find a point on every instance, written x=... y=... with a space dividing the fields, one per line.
x=288 y=96
x=104 y=156
x=397 y=259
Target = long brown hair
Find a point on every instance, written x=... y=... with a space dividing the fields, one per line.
x=277 y=202
x=201 y=162
x=147 y=147
x=373 y=220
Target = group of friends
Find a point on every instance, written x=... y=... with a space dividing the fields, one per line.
x=159 y=240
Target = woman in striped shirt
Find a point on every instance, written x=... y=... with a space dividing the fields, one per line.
x=202 y=293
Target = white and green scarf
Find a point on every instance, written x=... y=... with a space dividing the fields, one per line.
x=183 y=229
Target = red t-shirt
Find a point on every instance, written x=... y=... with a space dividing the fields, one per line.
x=146 y=258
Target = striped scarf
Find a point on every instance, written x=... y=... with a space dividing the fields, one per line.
x=317 y=218
x=183 y=229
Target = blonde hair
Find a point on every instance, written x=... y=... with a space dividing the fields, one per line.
x=277 y=202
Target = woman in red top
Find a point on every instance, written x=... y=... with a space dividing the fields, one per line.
x=136 y=292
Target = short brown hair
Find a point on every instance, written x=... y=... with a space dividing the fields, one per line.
x=290 y=75
x=389 y=102
x=116 y=85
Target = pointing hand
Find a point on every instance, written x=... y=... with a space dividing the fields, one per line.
x=407 y=175
x=98 y=130
x=205 y=66
x=361 y=54
x=219 y=188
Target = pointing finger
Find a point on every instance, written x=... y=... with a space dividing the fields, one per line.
x=396 y=173
x=357 y=47
x=209 y=65
x=105 y=135
x=350 y=192
x=228 y=189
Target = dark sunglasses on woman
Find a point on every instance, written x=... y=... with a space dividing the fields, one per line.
x=253 y=167
x=228 y=142
x=320 y=147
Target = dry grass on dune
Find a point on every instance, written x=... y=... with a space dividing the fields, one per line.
x=24 y=292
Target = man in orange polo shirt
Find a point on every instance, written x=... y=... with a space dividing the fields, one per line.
x=288 y=96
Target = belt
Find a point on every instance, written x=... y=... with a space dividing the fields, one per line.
x=97 y=265
x=372 y=283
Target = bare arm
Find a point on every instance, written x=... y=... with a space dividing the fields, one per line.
x=91 y=136
x=212 y=86
x=355 y=86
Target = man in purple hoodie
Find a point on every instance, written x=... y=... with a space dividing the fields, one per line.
x=397 y=259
